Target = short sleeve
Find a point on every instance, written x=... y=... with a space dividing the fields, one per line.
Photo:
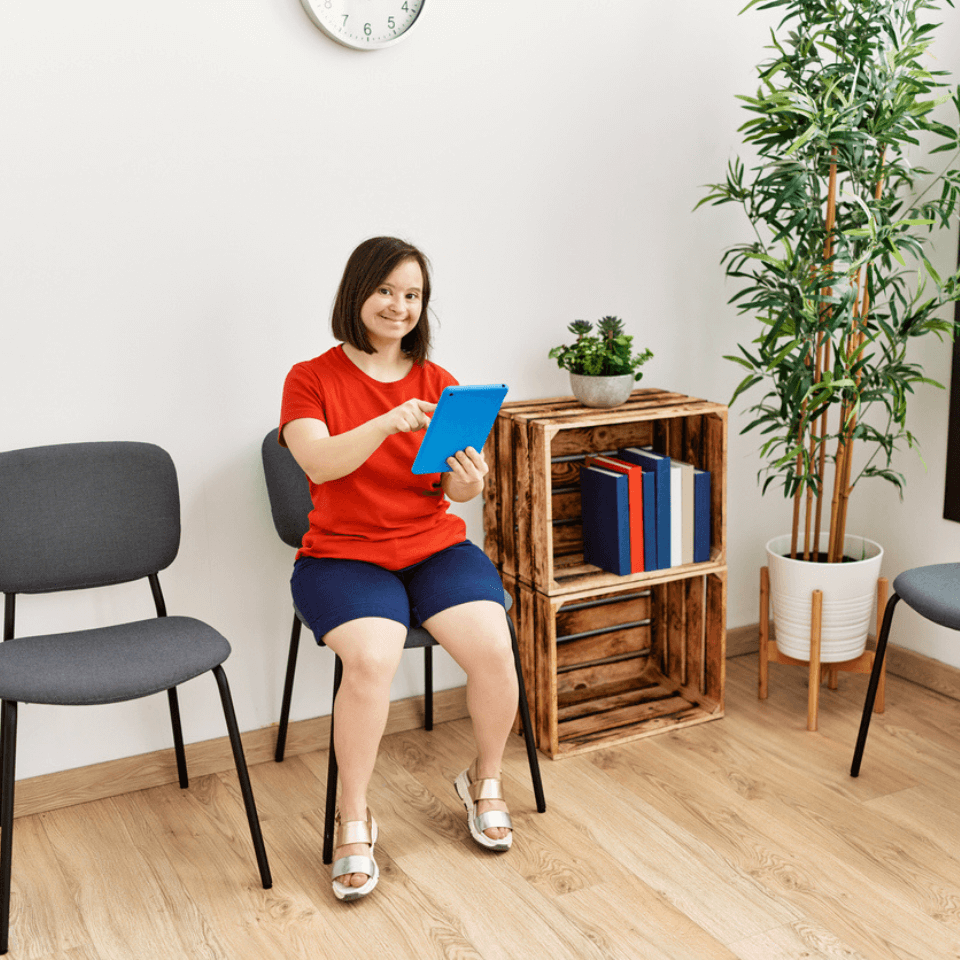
x=302 y=397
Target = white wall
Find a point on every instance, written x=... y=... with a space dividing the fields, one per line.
x=180 y=184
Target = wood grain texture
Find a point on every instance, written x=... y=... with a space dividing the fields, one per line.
x=115 y=777
x=740 y=840
x=537 y=454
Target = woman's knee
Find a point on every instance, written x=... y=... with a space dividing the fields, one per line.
x=497 y=647
x=370 y=667
x=370 y=650
x=478 y=638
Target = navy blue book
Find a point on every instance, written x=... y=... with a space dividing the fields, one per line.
x=701 y=516
x=659 y=466
x=649 y=523
x=605 y=508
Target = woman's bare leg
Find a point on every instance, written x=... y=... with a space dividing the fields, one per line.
x=476 y=635
x=370 y=649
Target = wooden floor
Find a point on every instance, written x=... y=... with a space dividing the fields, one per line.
x=741 y=838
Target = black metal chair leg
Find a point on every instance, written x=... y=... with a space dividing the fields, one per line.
x=428 y=688
x=245 y=789
x=9 y=616
x=174 y=702
x=288 y=689
x=8 y=735
x=878 y=656
x=331 y=808
x=528 y=735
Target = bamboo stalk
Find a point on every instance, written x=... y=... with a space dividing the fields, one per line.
x=841 y=474
x=814 y=438
x=844 y=503
x=798 y=493
x=797 y=496
x=819 y=432
x=838 y=471
x=808 y=515
x=822 y=466
x=857 y=339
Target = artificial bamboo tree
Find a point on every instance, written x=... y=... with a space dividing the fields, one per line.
x=837 y=271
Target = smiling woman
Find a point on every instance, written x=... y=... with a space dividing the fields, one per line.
x=382 y=553
x=393 y=310
x=378 y=264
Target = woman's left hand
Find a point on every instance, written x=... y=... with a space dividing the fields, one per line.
x=468 y=466
x=465 y=479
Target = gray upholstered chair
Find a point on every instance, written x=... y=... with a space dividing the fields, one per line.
x=290 y=505
x=84 y=515
x=934 y=592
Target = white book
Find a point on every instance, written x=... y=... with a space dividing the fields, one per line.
x=676 y=516
x=688 y=511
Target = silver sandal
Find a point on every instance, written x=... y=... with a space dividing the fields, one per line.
x=355 y=831
x=471 y=792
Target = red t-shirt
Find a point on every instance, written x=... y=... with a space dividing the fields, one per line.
x=381 y=513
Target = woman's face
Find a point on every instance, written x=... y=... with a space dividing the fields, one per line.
x=393 y=309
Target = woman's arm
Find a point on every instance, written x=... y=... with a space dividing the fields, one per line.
x=465 y=479
x=323 y=458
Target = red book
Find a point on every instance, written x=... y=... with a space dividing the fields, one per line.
x=634 y=474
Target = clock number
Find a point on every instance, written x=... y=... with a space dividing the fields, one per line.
x=360 y=25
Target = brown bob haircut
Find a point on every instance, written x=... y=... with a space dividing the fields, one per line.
x=369 y=265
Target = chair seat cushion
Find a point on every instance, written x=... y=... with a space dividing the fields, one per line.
x=933 y=591
x=109 y=664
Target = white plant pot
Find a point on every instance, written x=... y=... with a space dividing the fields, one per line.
x=849 y=592
x=602 y=391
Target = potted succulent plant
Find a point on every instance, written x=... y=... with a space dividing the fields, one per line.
x=603 y=367
x=836 y=272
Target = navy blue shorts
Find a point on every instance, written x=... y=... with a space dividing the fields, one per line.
x=329 y=592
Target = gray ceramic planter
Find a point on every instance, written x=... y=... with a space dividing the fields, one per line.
x=602 y=391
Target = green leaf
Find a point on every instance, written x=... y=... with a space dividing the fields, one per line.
x=933 y=273
x=892 y=247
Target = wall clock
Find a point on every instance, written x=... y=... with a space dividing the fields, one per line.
x=364 y=24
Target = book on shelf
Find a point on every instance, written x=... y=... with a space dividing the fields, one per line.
x=605 y=510
x=687 y=511
x=676 y=513
x=649 y=522
x=658 y=466
x=701 y=516
x=634 y=474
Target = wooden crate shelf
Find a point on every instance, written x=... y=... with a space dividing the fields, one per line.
x=620 y=663
x=607 y=658
x=532 y=521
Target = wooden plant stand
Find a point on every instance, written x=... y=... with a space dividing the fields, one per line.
x=817 y=671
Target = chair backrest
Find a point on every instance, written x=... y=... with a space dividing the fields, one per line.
x=79 y=515
x=288 y=490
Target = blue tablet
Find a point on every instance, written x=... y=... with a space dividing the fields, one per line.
x=464 y=418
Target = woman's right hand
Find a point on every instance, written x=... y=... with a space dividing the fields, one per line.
x=408 y=417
